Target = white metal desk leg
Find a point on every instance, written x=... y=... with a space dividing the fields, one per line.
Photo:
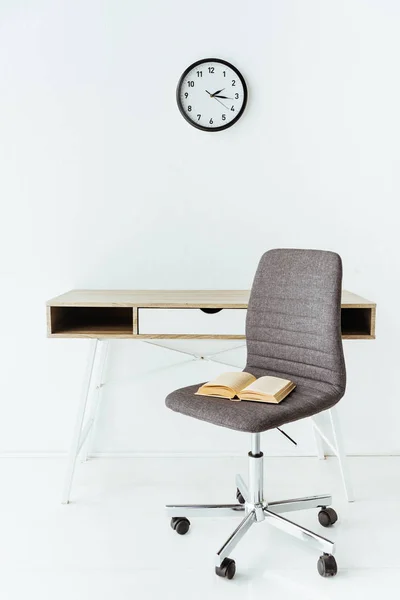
x=318 y=441
x=76 y=440
x=102 y=360
x=338 y=439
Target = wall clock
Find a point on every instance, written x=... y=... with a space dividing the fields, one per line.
x=211 y=94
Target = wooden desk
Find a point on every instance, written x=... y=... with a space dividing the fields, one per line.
x=173 y=314
x=170 y=314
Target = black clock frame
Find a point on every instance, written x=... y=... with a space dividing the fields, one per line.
x=181 y=80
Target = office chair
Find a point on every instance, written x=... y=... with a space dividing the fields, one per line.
x=292 y=331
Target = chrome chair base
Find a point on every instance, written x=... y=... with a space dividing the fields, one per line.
x=255 y=510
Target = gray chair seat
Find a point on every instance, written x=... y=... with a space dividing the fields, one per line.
x=253 y=417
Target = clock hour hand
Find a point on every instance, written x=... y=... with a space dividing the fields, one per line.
x=218 y=92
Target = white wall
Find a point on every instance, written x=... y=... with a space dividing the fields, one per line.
x=104 y=185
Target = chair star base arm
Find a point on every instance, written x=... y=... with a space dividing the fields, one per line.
x=235 y=538
x=283 y=506
x=303 y=534
x=242 y=487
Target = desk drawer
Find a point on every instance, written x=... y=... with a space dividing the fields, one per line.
x=191 y=321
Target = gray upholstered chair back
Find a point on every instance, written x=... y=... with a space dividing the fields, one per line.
x=293 y=320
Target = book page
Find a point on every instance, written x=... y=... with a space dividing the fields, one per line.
x=267 y=385
x=234 y=381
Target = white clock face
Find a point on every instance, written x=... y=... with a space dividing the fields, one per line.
x=211 y=94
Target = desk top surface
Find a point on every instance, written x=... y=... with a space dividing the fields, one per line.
x=176 y=298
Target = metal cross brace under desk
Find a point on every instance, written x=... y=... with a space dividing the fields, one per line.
x=148 y=315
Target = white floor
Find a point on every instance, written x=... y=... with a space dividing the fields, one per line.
x=113 y=540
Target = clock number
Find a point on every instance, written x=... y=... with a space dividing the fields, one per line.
x=211 y=69
x=236 y=96
x=224 y=117
x=190 y=83
x=189 y=108
x=224 y=72
x=233 y=108
x=199 y=73
x=211 y=121
x=233 y=82
x=198 y=117
x=186 y=94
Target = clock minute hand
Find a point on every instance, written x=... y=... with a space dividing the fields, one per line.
x=223 y=97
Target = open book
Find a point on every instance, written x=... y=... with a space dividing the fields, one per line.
x=243 y=386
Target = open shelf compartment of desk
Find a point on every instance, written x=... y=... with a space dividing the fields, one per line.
x=91 y=320
x=358 y=323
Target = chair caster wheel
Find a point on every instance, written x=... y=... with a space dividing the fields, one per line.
x=227 y=568
x=180 y=525
x=327 y=566
x=327 y=517
x=239 y=497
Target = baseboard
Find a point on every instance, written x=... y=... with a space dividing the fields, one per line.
x=144 y=455
x=175 y=455
x=33 y=455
